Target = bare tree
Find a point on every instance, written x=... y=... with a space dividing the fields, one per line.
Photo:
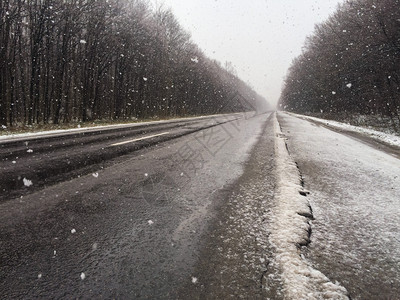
x=79 y=60
x=351 y=64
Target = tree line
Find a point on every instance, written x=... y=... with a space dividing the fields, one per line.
x=78 y=60
x=351 y=63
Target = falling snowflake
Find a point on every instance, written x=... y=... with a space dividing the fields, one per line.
x=195 y=60
x=39 y=276
x=95 y=175
x=4 y=127
x=83 y=276
x=29 y=151
x=145 y=78
x=27 y=182
x=194 y=280
x=145 y=174
x=83 y=42
x=349 y=85
x=95 y=246
x=73 y=230
x=150 y=222
x=333 y=93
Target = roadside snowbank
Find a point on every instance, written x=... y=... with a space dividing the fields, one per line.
x=390 y=139
x=292 y=229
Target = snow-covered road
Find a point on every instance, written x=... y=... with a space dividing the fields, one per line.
x=355 y=198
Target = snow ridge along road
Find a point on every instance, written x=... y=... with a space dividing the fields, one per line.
x=292 y=231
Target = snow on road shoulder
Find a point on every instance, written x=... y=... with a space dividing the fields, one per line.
x=390 y=139
x=291 y=230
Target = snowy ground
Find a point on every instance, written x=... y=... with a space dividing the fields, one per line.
x=354 y=194
x=390 y=139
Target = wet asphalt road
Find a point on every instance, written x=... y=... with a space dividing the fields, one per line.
x=53 y=157
x=134 y=225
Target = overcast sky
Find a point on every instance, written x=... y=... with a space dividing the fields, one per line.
x=260 y=37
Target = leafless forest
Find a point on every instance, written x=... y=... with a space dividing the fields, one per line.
x=76 y=60
x=350 y=65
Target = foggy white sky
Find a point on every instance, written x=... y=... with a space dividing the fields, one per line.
x=260 y=37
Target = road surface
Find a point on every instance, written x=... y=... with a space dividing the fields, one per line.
x=236 y=206
x=134 y=225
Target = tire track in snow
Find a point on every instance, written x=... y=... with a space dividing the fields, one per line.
x=292 y=231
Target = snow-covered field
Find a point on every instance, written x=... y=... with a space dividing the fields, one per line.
x=390 y=139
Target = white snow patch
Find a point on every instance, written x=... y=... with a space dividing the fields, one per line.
x=27 y=182
x=195 y=59
x=4 y=127
x=83 y=276
x=150 y=222
x=300 y=279
x=194 y=280
x=73 y=230
x=95 y=175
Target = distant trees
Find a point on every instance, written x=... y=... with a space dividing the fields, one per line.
x=80 y=60
x=351 y=64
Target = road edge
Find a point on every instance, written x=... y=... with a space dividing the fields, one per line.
x=292 y=222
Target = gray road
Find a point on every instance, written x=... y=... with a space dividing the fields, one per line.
x=136 y=222
x=45 y=159
x=188 y=210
